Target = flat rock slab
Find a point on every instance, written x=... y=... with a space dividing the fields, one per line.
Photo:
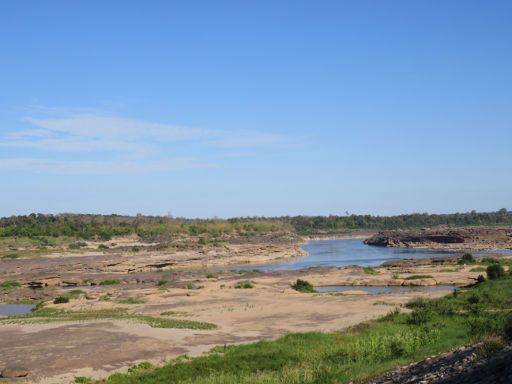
x=14 y=372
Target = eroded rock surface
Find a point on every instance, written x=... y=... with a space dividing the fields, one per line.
x=462 y=366
x=462 y=238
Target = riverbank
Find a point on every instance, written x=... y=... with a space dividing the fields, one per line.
x=116 y=308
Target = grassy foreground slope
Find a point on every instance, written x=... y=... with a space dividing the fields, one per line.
x=481 y=313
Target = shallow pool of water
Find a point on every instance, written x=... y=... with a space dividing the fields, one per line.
x=15 y=309
x=378 y=290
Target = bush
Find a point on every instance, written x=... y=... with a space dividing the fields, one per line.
x=110 y=282
x=244 y=284
x=102 y=247
x=105 y=236
x=480 y=278
x=61 y=300
x=161 y=282
x=490 y=346
x=495 y=271
x=303 y=286
x=467 y=258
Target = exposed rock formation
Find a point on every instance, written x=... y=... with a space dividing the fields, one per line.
x=462 y=366
x=463 y=238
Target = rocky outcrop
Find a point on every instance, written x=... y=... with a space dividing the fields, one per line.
x=465 y=365
x=463 y=238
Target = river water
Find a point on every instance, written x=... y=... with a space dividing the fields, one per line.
x=341 y=253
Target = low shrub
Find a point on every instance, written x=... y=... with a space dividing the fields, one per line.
x=110 y=282
x=61 y=300
x=419 y=277
x=303 y=286
x=495 y=271
x=244 y=284
x=102 y=247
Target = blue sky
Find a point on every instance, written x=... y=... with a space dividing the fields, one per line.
x=235 y=108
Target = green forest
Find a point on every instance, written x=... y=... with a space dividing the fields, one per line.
x=105 y=226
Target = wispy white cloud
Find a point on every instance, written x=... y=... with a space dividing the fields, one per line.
x=126 y=143
x=97 y=167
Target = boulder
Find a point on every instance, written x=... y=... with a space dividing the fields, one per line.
x=14 y=372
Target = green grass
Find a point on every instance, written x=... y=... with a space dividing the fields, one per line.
x=419 y=277
x=8 y=284
x=43 y=314
x=476 y=314
x=247 y=271
x=370 y=271
x=110 y=282
x=10 y=256
x=132 y=300
x=478 y=269
x=244 y=284
x=82 y=380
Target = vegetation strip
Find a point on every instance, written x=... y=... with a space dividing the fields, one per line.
x=48 y=315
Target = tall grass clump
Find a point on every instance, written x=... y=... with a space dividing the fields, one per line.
x=303 y=286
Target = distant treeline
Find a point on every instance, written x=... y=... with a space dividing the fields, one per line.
x=337 y=224
x=153 y=227
x=147 y=227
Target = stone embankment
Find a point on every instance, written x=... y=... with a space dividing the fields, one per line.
x=464 y=365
